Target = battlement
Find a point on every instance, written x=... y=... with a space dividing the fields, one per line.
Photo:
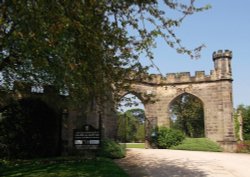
x=175 y=78
x=222 y=54
x=181 y=77
x=222 y=71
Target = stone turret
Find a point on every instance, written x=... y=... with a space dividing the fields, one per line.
x=222 y=64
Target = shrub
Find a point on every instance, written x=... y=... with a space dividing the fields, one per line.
x=198 y=144
x=112 y=149
x=243 y=147
x=167 y=137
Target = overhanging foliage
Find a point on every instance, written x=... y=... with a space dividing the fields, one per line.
x=85 y=46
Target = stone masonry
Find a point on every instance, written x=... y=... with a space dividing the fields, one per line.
x=214 y=90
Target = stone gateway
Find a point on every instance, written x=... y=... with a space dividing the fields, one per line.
x=214 y=91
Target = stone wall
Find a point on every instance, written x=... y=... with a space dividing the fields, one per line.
x=72 y=116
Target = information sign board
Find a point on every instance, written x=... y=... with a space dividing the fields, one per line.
x=86 y=138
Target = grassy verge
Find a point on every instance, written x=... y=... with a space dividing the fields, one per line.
x=100 y=167
x=191 y=144
x=135 y=145
x=198 y=144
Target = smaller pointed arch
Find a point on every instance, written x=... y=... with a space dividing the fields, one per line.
x=130 y=119
x=130 y=100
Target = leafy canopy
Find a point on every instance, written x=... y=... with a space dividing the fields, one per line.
x=84 y=46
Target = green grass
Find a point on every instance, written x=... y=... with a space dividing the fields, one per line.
x=191 y=144
x=135 y=145
x=198 y=144
x=100 y=167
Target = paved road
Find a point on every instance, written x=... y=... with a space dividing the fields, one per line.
x=176 y=163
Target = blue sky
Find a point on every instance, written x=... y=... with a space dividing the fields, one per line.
x=225 y=26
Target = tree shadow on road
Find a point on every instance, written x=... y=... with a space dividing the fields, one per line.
x=136 y=166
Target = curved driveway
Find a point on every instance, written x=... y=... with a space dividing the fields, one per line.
x=176 y=163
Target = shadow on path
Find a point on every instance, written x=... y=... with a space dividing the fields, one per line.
x=137 y=164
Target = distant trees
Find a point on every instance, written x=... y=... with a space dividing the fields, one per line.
x=187 y=115
x=131 y=126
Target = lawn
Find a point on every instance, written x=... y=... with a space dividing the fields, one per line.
x=198 y=144
x=100 y=167
x=191 y=144
x=135 y=145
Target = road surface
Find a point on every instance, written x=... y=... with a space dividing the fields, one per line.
x=177 y=163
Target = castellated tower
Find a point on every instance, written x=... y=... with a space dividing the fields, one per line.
x=222 y=64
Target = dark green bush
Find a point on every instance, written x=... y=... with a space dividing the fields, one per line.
x=167 y=137
x=112 y=149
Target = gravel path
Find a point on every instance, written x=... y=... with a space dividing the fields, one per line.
x=176 y=163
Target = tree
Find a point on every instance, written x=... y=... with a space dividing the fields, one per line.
x=188 y=115
x=131 y=127
x=245 y=111
x=85 y=47
x=138 y=113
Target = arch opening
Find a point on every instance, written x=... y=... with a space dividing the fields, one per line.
x=187 y=115
x=31 y=129
x=131 y=119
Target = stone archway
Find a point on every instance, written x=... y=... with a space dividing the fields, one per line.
x=215 y=91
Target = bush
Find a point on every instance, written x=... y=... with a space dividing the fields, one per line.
x=198 y=144
x=167 y=137
x=243 y=147
x=112 y=149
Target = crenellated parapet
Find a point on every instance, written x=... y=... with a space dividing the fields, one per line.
x=222 y=71
x=222 y=54
x=175 y=78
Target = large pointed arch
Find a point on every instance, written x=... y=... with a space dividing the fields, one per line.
x=186 y=113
